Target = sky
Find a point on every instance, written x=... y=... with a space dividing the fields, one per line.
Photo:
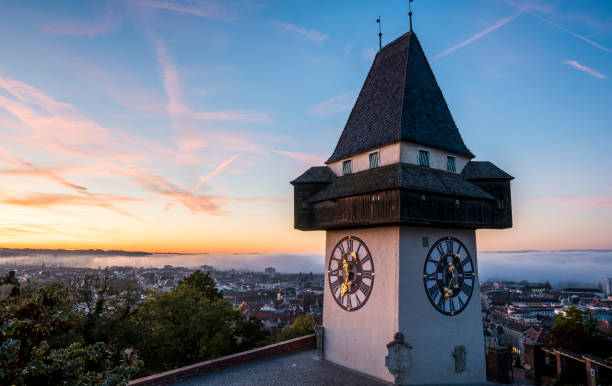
x=170 y=126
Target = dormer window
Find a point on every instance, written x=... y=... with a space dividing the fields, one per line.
x=423 y=157
x=450 y=164
x=347 y=167
x=374 y=160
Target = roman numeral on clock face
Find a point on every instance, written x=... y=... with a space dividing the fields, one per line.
x=440 y=250
x=349 y=243
x=441 y=302
x=364 y=288
x=449 y=247
x=365 y=259
x=335 y=285
x=433 y=291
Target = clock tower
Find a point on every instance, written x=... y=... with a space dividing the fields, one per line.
x=400 y=199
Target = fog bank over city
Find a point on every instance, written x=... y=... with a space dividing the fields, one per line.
x=560 y=268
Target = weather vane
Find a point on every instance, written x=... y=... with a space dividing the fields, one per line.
x=410 y=13
x=379 y=35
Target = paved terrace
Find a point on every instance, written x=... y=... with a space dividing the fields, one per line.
x=293 y=362
x=302 y=368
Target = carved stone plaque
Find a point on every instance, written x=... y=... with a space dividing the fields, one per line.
x=460 y=357
x=399 y=360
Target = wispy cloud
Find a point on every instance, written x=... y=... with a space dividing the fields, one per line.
x=305 y=159
x=208 y=176
x=195 y=203
x=261 y=200
x=48 y=200
x=203 y=8
x=529 y=9
x=589 y=203
x=33 y=171
x=348 y=48
x=190 y=138
x=61 y=129
x=335 y=105
x=472 y=39
x=368 y=53
x=583 y=68
x=111 y=20
x=311 y=34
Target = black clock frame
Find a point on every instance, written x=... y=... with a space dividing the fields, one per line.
x=367 y=296
x=427 y=292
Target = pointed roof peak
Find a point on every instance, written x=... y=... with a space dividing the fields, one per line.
x=400 y=101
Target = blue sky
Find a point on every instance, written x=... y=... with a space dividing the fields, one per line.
x=167 y=125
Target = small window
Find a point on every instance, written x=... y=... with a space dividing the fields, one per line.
x=347 y=167
x=450 y=164
x=423 y=158
x=500 y=203
x=374 y=160
x=425 y=241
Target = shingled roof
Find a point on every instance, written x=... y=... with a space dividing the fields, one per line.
x=400 y=176
x=315 y=174
x=399 y=101
x=484 y=170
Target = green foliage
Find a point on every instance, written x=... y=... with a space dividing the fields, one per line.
x=577 y=331
x=301 y=326
x=38 y=345
x=203 y=283
x=82 y=333
x=192 y=323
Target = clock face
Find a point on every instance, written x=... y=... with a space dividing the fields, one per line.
x=351 y=273
x=448 y=276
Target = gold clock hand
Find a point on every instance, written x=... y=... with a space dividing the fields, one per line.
x=344 y=286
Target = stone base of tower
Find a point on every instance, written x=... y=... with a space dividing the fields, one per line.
x=398 y=302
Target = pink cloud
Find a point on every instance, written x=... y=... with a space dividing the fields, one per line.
x=47 y=200
x=206 y=177
x=480 y=34
x=586 y=69
x=305 y=159
x=33 y=171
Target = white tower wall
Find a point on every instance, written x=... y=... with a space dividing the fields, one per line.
x=398 y=302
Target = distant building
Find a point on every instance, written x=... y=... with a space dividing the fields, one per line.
x=609 y=287
x=270 y=271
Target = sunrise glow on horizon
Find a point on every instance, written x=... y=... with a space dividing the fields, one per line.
x=166 y=126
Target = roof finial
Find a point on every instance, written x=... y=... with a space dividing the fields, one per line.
x=379 y=35
x=410 y=13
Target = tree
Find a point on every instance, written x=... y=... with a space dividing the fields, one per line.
x=202 y=282
x=38 y=344
x=302 y=325
x=577 y=331
x=191 y=323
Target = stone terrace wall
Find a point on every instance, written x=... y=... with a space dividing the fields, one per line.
x=183 y=373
